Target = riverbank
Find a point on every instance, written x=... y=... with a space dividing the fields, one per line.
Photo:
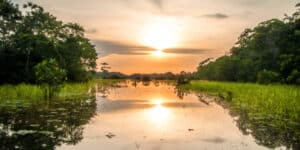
x=268 y=112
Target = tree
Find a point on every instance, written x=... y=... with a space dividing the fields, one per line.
x=49 y=72
x=33 y=36
x=270 y=52
x=104 y=67
x=50 y=76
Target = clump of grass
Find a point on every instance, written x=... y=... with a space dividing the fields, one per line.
x=271 y=112
x=37 y=92
x=21 y=91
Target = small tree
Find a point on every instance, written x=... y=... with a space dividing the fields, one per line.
x=50 y=75
x=104 y=70
x=183 y=78
x=104 y=67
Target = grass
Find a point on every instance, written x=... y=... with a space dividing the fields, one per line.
x=269 y=111
x=37 y=92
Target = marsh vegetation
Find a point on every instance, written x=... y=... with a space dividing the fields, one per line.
x=268 y=112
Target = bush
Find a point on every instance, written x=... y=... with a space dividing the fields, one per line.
x=50 y=76
x=49 y=72
x=294 y=77
x=266 y=77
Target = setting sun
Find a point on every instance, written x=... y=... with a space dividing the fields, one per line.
x=158 y=53
x=160 y=34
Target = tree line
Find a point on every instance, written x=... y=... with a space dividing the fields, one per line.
x=268 y=53
x=36 y=47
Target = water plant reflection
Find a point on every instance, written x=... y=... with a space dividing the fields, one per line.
x=44 y=124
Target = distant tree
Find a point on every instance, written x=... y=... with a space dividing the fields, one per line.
x=104 y=67
x=105 y=71
x=183 y=78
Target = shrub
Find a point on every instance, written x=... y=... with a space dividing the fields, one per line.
x=266 y=77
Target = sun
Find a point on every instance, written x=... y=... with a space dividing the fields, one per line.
x=160 y=34
x=159 y=53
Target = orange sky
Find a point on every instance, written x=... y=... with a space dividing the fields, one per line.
x=127 y=32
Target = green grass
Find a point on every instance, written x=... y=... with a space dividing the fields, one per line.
x=37 y=92
x=269 y=111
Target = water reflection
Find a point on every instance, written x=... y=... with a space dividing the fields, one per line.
x=44 y=124
x=149 y=115
x=137 y=115
x=159 y=115
x=267 y=129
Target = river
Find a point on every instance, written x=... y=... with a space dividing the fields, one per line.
x=132 y=115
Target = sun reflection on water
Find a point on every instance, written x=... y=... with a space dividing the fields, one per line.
x=159 y=114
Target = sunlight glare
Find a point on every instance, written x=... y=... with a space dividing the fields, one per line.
x=159 y=53
x=159 y=115
x=161 y=33
x=157 y=102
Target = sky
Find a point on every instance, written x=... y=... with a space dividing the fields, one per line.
x=147 y=36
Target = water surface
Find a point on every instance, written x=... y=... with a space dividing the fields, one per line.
x=133 y=115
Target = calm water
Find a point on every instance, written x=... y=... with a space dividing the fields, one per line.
x=151 y=116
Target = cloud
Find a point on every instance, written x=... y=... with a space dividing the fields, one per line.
x=91 y=31
x=186 y=51
x=141 y=5
x=215 y=140
x=157 y=3
x=216 y=16
x=105 y=48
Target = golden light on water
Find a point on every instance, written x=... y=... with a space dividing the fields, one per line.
x=159 y=115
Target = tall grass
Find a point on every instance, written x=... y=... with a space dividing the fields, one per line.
x=21 y=91
x=269 y=111
x=275 y=99
x=37 y=92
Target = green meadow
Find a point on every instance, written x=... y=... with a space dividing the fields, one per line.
x=269 y=112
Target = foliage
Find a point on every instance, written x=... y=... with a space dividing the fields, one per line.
x=49 y=72
x=271 y=113
x=50 y=76
x=160 y=76
x=273 y=45
x=28 y=38
x=267 y=77
x=37 y=92
x=183 y=78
